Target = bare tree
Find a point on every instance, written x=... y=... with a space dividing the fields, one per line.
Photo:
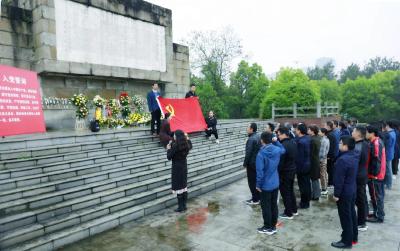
x=214 y=47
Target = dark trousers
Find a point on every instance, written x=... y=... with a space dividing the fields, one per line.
x=330 y=167
x=377 y=193
x=395 y=166
x=251 y=179
x=212 y=131
x=156 y=117
x=269 y=207
x=304 y=182
x=286 y=187
x=361 y=203
x=348 y=220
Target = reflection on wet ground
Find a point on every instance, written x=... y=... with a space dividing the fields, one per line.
x=220 y=220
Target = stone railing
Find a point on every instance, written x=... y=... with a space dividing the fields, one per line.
x=316 y=111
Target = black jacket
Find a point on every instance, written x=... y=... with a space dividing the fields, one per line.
x=179 y=166
x=314 y=157
x=332 y=145
x=190 y=94
x=362 y=150
x=212 y=123
x=253 y=145
x=287 y=162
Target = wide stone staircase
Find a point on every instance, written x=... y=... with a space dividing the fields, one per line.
x=63 y=187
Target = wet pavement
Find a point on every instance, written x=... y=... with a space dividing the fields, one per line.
x=220 y=221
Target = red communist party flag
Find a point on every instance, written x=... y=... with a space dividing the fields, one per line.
x=186 y=114
x=20 y=102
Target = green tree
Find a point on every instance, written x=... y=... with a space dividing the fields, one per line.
x=291 y=86
x=372 y=99
x=247 y=88
x=318 y=73
x=209 y=100
x=351 y=72
x=379 y=64
x=329 y=89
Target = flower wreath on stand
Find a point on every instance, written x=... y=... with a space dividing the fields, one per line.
x=125 y=101
x=80 y=101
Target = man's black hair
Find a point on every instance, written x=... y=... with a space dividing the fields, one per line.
x=342 y=124
x=324 y=131
x=254 y=127
x=348 y=141
x=314 y=129
x=284 y=130
x=362 y=130
x=373 y=129
x=266 y=137
x=330 y=124
x=272 y=126
x=335 y=122
x=302 y=128
x=192 y=84
x=154 y=83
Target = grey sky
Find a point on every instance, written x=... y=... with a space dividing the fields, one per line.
x=297 y=32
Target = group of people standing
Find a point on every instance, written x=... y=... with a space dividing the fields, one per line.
x=343 y=159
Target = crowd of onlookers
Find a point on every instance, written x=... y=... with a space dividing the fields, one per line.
x=342 y=158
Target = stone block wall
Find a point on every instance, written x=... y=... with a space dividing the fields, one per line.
x=181 y=83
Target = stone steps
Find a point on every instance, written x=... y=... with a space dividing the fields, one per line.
x=62 y=193
x=37 y=200
x=26 y=191
x=67 y=172
x=104 y=208
x=15 y=160
x=90 y=228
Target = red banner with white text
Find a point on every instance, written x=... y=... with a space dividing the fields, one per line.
x=20 y=102
x=186 y=114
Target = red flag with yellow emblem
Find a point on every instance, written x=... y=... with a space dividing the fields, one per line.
x=186 y=114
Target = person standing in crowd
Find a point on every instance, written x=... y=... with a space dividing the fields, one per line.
x=395 y=162
x=376 y=174
x=253 y=145
x=271 y=129
x=358 y=135
x=344 y=183
x=333 y=144
x=165 y=132
x=154 y=108
x=267 y=162
x=336 y=131
x=177 y=151
x=303 y=165
x=323 y=159
x=192 y=92
x=350 y=125
x=390 y=148
x=343 y=129
x=314 y=162
x=212 y=126
x=287 y=172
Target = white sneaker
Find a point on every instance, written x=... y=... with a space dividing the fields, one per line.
x=324 y=193
x=217 y=141
x=394 y=177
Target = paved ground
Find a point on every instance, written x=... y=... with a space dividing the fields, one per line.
x=220 y=221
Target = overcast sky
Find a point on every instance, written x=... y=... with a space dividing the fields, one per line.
x=277 y=33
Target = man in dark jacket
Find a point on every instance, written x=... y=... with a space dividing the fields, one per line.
x=333 y=144
x=344 y=183
x=358 y=135
x=303 y=165
x=287 y=172
x=192 y=92
x=313 y=131
x=154 y=108
x=376 y=174
x=212 y=126
x=253 y=144
x=390 y=148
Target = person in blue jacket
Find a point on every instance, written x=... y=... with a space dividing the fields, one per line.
x=267 y=182
x=390 y=148
x=345 y=187
x=154 y=109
